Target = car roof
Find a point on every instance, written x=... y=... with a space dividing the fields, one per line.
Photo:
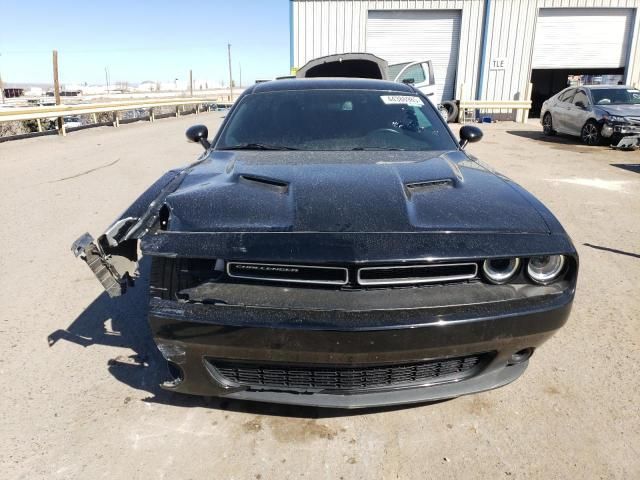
x=340 y=83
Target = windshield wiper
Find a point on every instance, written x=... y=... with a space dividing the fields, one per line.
x=257 y=146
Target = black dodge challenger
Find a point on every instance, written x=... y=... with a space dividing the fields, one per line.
x=335 y=246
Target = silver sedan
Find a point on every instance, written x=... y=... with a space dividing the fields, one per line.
x=597 y=113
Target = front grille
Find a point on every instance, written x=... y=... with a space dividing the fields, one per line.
x=346 y=378
x=415 y=274
x=288 y=273
x=350 y=276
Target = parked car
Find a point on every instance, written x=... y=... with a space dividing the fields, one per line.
x=72 y=122
x=336 y=246
x=596 y=113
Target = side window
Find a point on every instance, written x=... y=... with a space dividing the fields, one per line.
x=394 y=70
x=581 y=96
x=415 y=73
x=567 y=96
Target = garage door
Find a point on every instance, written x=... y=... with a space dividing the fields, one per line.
x=582 y=37
x=404 y=36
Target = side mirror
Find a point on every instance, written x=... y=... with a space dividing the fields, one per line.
x=469 y=134
x=199 y=134
x=580 y=104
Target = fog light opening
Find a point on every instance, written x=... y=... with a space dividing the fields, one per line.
x=521 y=356
x=172 y=353
x=177 y=375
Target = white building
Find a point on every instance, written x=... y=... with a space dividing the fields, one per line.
x=482 y=49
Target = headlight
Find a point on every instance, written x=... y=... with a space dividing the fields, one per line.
x=615 y=119
x=500 y=270
x=545 y=269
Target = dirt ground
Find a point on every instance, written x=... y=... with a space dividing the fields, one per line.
x=81 y=397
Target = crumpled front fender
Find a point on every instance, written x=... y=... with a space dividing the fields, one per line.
x=113 y=256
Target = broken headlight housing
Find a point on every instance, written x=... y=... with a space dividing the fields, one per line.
x=615 y=119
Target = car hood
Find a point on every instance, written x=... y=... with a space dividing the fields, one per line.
x=621 y=110
x=361 y=191
x=357 y=65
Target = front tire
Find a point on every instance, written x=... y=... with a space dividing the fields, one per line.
x=547 y=125
x=442 y=110
x=590 y=134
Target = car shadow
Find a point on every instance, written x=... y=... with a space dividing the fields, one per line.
x=631 y=167
x=122 y=322
x=539 y=135
x=558 y=141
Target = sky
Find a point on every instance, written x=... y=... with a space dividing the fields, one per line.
x=138 y=40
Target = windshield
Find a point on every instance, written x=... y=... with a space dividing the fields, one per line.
x=615 y=96
x=335 y=120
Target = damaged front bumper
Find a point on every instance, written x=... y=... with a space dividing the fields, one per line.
x=624 y=136
x=609 y=130
x=113 y=256
x=352 y=359
x=114 y=266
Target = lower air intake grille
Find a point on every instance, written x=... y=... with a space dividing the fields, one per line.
x=346 y=378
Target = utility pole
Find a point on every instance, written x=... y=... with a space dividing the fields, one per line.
x=230 y=75
x=1 y=89
x=191 y=83
x=240 y=65
x=56 y=90
x=106 y=77
x=56 y=80
x=1 y=86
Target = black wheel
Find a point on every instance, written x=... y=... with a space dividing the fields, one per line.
x=547 y=125
x=452 y=111
x=590 y=134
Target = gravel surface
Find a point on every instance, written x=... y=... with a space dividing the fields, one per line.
x=82 y=399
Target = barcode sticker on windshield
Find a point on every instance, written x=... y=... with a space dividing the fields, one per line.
x=402 y=100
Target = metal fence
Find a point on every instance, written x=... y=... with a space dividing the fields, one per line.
x=58 y=112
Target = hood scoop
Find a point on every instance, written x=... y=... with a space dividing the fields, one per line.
x=273 y=184
x=427 y=186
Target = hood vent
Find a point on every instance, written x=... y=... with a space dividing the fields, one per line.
x=270 y=183
x=426 y=186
